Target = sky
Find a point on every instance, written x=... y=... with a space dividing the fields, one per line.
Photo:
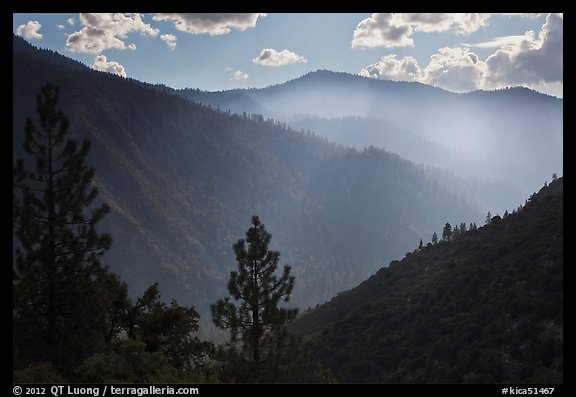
x=457 y=52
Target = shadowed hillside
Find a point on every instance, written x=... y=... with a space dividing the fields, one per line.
x=485 y=307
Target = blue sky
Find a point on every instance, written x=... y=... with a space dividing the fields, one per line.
x=457 y=52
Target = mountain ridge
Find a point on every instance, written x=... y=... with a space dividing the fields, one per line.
x=493 y=135
x=485 y=307
x=184 y=179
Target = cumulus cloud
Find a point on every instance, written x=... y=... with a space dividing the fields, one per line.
x=271 y=57
x=381 y=30
x=456 y=69
x=107 y=30
x=392 y=68
x=396 y=29
x=70 y=21
x=102 y=64
x=534 y=60
x=170 y=40
x=530 y=60
x=236 y=74
x=30 y=30
x=440 y=22
x=210 y=23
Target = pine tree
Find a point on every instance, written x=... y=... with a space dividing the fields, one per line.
x=434 y=238
x=58 y=313
x=488 y=218
x=257 y=320
x=421 y=245
x=456 y=232
x=447 y=232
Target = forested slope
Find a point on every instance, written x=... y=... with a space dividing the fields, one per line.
x=183 y=180
x=484 y=307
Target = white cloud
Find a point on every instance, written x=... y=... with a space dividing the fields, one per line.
x=534 y=60
x=102 y=64
x=210 y=23
x=396 y=30
x=391 y=68
x=170 y=40
x=521 y=14
x=60 y=27
x=469 y=22
x=442 y=22
x=456 y=69
x=104 y=31
x=30 y=30
x=237 y=74
x=380 y=30
x=529 y=60
x=70 y=21
x=271 y=57
x=501 y=41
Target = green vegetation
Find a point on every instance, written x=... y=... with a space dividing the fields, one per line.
x=480 y=305
x=72 y=317
x=483 y=308
x=57 y=272
x=181 y=177
x=258 y=322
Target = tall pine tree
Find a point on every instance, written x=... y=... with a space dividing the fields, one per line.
x=58 y=312
x=447 y=232
x=257 y=320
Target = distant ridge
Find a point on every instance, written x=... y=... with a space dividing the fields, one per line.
x=183 y=180
x=493 y=135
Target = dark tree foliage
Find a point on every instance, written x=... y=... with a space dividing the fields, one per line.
x=168 y=329
x=447 y=232
x=456 y=231
x=58 y=311
x=148 y=341
x=434 y=238
x=257 y=320
x=129 y=363
x=115 y=292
